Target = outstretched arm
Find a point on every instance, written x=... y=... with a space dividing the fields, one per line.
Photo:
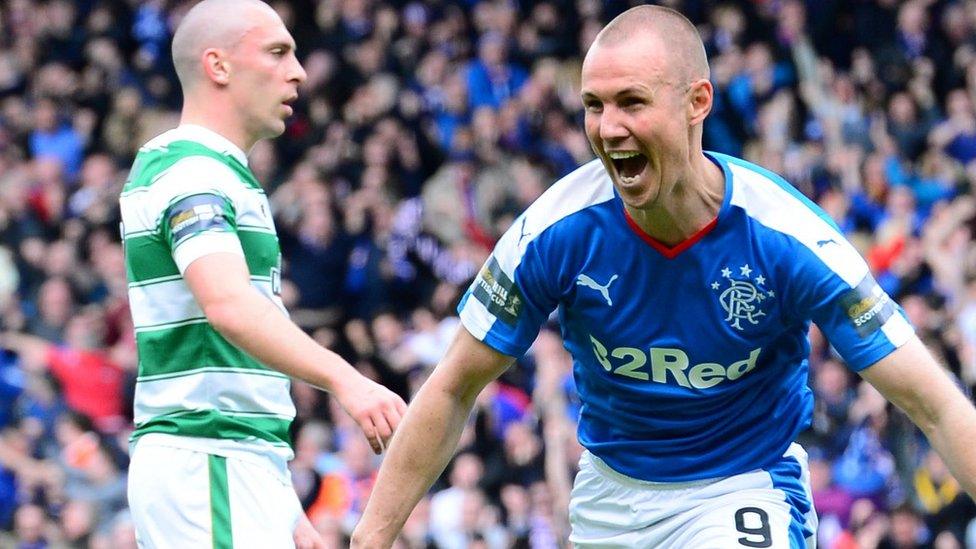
x=427 y=438
x=912 y=380
x=221 y=285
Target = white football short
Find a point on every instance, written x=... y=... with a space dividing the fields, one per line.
x=769 y=507
x=187 y=499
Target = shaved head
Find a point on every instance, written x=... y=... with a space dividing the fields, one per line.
x=213 y=24
x=669 y=28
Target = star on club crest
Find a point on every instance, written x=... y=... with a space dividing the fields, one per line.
x=742 y=298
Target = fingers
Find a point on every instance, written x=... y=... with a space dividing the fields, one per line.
x=305 y=536
x=401 y=407
x=378 y=411
x=308 y=542
x=369 y=430
x=384 y=431
x=380 y=425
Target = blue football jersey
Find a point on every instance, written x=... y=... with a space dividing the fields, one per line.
x=691 y=362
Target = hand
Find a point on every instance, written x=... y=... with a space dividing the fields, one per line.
x=305 y=535
x=375 y=408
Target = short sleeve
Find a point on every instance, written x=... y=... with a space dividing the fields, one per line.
x=512 y=295
x=200 y=224
x=190 y=209
x=861 y=321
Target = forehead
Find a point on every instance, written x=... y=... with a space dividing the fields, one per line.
x=635 y=62
x=265 y=28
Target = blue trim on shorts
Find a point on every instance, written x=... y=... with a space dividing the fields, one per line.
x=786 y=474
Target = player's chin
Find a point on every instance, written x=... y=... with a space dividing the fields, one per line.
x=637 y=195
x=632 y=188
x=276 y=128
x=640 y=202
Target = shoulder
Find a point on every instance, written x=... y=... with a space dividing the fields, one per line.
x=587 y=186
x=774 y=204
x=765 y=194
x=184 y=175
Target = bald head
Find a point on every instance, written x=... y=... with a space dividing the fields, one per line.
x=665 y=26
x=213 y=24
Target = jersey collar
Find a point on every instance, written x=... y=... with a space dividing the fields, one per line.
x=671 y=252
x=212 y=140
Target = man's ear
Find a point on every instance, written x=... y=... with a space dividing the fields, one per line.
x=700 y=95
x=216 y=66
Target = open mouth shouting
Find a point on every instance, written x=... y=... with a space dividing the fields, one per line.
x=629 y=165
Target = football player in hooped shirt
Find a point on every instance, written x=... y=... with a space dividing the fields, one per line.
x=685 y=282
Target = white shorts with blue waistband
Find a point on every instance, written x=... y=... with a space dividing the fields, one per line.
x=770 y=507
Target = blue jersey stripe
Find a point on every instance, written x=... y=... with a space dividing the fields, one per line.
x=787 y=475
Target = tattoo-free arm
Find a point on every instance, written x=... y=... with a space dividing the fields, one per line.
x=912 y=380
x=427 y=437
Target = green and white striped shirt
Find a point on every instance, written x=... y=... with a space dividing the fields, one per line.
x=189 y=194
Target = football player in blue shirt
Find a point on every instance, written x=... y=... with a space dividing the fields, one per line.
x=686 y=282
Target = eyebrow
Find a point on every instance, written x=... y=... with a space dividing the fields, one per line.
x=281 y=44
x=630 y=90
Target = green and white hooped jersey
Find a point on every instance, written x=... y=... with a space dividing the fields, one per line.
x=190 y=194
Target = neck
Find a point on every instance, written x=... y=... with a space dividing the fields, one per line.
x=691 y=203
x=215 y=113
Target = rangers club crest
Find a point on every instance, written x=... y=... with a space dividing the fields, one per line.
x=742 y=297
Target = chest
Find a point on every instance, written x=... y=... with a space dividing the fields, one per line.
x=717 y=302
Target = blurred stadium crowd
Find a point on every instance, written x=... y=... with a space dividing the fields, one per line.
x=424 y=129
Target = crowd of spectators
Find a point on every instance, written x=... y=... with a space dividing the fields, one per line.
x=424 y=129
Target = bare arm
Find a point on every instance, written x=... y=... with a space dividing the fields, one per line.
x=912 y=380
x=221 y=285
x=427 y=438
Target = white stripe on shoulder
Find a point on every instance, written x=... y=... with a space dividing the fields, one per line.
x=160 y=141
x=586 y=186
x=191 y=175
x=765 y=201
x=198 y=134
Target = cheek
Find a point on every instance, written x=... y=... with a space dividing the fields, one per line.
x=591 y=125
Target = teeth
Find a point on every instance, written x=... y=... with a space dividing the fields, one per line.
x=629 y=180
x=620 y=155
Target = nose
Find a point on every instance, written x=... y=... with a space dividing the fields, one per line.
x=297 y=73
x=611 y=126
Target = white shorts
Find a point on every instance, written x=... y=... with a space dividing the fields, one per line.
x=769 y=507
x=186 y=499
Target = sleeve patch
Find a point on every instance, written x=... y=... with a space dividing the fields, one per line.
x=496 y=291
x=867 y=306
x=195 y=214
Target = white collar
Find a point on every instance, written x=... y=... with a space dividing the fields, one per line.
x=210 y=139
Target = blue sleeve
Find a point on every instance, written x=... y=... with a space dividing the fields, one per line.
x=855 y=314
x=511 y=297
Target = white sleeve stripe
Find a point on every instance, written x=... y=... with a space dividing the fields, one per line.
x=189 y=176
x=775 y=208
x=897 y=330
x=205 y=243
x=476 y=318
x=587 y=186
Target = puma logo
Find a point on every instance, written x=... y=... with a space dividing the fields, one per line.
x=604 y=289
x=822 y=243
x=524 y=234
